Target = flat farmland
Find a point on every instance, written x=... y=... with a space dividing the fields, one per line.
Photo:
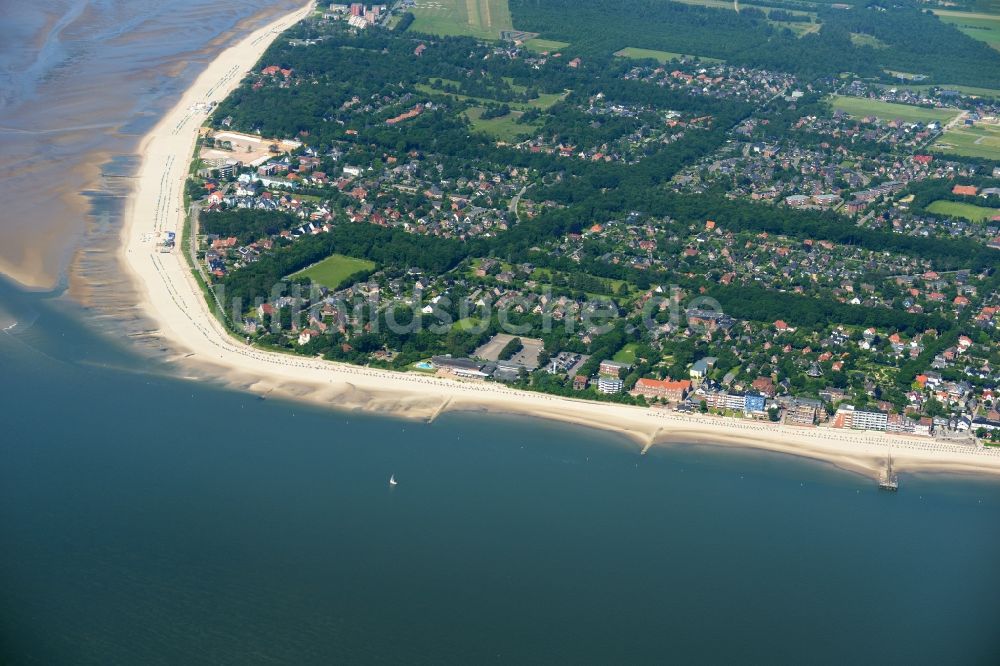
x=860 y=107
x=981 y=26
x=973 y=141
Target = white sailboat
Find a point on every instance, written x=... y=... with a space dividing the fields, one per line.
x=392 y=480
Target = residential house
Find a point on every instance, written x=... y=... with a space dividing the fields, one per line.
x=701 y=367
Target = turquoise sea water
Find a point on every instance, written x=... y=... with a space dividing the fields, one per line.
x=145 y=519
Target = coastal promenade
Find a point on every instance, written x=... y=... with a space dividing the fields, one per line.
x=174 y=302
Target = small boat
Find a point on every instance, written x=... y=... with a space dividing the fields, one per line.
x=392 y=480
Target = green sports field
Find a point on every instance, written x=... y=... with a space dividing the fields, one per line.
x=975 y=141
x=626 y=354
x=333 y=270
x=483 y=19
x=860 y=107
x=958 y=209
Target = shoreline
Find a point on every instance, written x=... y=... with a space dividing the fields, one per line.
x=172 y=299
x=63 y=236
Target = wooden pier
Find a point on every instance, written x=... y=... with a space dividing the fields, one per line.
x=887 y=479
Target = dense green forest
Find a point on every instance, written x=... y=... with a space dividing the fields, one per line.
x=915 y=41
x=247 y=225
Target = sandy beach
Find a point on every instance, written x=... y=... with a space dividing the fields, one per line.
x=174 y=302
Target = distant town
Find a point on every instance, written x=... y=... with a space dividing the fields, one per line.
x=683 y=234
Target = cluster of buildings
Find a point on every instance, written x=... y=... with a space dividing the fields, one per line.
x=930 y=96
x=749 y=368
x=858 y=166
x=357 y=14
x=872 y=419
x=326 y=189
x=646 y=127
x=469 y=368
x=824 y=175
x=821 y=268
x=720 y=81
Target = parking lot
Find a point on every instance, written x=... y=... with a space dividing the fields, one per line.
x=528 y=356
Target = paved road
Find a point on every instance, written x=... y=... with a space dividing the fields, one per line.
x=514 y=203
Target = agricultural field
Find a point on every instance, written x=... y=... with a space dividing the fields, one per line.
x=970 y=212
x=660 y=56
x=333 y=270
x=975 y=141
x=483 y=19
x=539 y=45
x=860 y=107
x=984 y=27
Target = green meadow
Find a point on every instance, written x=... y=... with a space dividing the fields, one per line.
x=975 y=141
x=981 y=26
x=860 y=107
x=483 y=19
x=504 y=128
x=660 y=56
x=542 y=45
